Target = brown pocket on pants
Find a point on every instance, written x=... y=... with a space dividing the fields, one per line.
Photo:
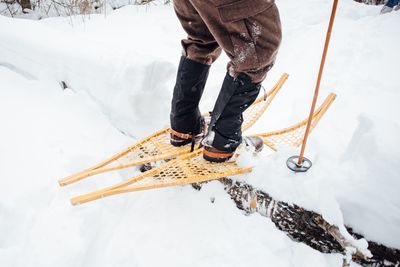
x=242 y=9
x=234 y=15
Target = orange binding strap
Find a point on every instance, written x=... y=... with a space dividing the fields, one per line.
x=181 y=135
x=217 y=154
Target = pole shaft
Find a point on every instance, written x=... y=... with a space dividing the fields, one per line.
x=321 y=70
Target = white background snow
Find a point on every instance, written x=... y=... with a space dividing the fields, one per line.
x=120 y=70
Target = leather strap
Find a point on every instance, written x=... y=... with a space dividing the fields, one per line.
x=181 y=135
x=217 y=154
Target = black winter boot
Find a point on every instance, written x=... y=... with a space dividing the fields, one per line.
x=185 y=117
x=225 y=133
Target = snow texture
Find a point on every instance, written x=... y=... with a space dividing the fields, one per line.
x=120 y=74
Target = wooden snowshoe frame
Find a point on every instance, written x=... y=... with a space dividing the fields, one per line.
x=192 y=168
x=156 y=147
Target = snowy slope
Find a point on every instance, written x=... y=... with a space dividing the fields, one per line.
x=121 y=76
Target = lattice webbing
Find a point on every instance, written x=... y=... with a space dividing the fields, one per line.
x=293 y=136
x=155 y=146
x=189 y=170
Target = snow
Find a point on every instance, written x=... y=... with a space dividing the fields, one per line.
x=120 y=71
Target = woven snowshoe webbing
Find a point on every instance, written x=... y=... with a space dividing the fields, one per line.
x=187 y=169
x=192 y=168
x=294 y=135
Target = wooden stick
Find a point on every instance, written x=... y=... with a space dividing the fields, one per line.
x=321 y=70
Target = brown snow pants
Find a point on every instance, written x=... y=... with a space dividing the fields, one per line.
x=249 y=31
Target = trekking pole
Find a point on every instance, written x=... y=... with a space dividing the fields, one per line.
x=300 y=163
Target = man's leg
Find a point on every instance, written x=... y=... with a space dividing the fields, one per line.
x=250 y=34
x=199 y=50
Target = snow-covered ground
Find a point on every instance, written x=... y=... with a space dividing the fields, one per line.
x=120 y=70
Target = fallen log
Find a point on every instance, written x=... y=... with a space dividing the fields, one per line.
x=305 y=226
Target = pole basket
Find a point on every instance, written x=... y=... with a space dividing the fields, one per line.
x=292 y=163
